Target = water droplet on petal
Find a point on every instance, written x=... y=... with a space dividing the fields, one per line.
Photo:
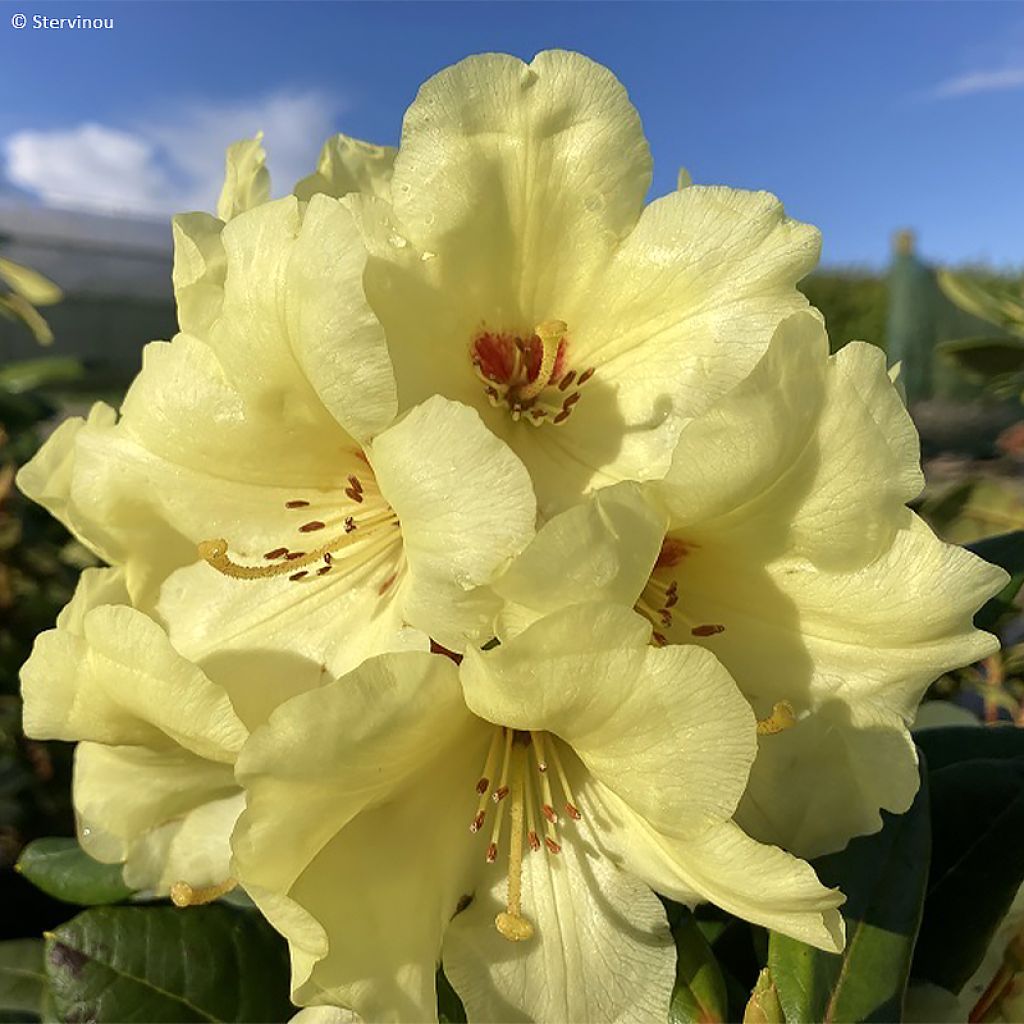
x=397 y=241
x=428 y=256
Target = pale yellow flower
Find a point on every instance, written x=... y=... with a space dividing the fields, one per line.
x=271 y=448
x=514 y=825
x=780 y=540
x=516 y=269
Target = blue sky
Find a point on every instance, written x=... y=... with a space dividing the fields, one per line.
x=862 y=117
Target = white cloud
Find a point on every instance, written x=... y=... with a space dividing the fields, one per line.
x=979 y=81
x=171 y=164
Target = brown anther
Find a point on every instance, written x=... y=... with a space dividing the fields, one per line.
x=292 y=555
x=309 y=527
x=350 y=524
x=328 y=557
x=708 y=630
x=534 y=840
x=298 y=575
x=383 y=588
x=571 y=400
x=483 y=785
x=356 y=485
x=573 y=811
x=323 y=570
x=276 y=553
x=355 y=495
x=666 y=617
x=660 y=640
x=566 y=380
x=297 y=503
x=478 y=822
x=492 y=853
x=549 y=813
x=585 y=376
x=562 y=416
x=552 y=846
x=500 y=793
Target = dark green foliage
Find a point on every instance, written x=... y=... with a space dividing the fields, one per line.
x=62 y=869
x=883 y=877
x=158 y=964
x=853 y=303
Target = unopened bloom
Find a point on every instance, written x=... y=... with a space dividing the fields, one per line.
x=516 y=268
x=780 y=540
x=511 y=818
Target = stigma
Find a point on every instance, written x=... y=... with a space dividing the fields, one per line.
x=516 y=776
x=530 y=376
x=184 y=895
x=358 y=532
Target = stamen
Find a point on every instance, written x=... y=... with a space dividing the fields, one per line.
x=310 y=527
x=502 y=791
x=492 y=847
x=511 y=924
x=183 y=895
x=547 y=806
x=531 y=823
x=538 y=750
x=276 y=553
x=708 y=630
x=570 y=801
x=483 y=785
x=216 y=552
x=782 y=717
x=297 y=503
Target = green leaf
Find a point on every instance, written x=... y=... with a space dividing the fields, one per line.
x=985 y=357
x=998 y=302
x=948 y=745
x=449 y=1006
x=29 y=374
x=63 y=870
x=977 y=864
x=1005 y=550
x=22 y=980
x=161 y=964
x=883 y=877
x=699 y=994
x=764 y=1006
x=30 y=284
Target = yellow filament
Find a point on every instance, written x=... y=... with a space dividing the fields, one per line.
x=550 y=333
x=488 y=774
x=510 y=923
x=506 y=760
x=216 y=552
x=183 y=895
x=564 y=779
x=781 y=718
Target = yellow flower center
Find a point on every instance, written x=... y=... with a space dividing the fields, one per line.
x=530 y=376
x=659 y=605
x=362 y=533
x=529 y=800
x=660 y=598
